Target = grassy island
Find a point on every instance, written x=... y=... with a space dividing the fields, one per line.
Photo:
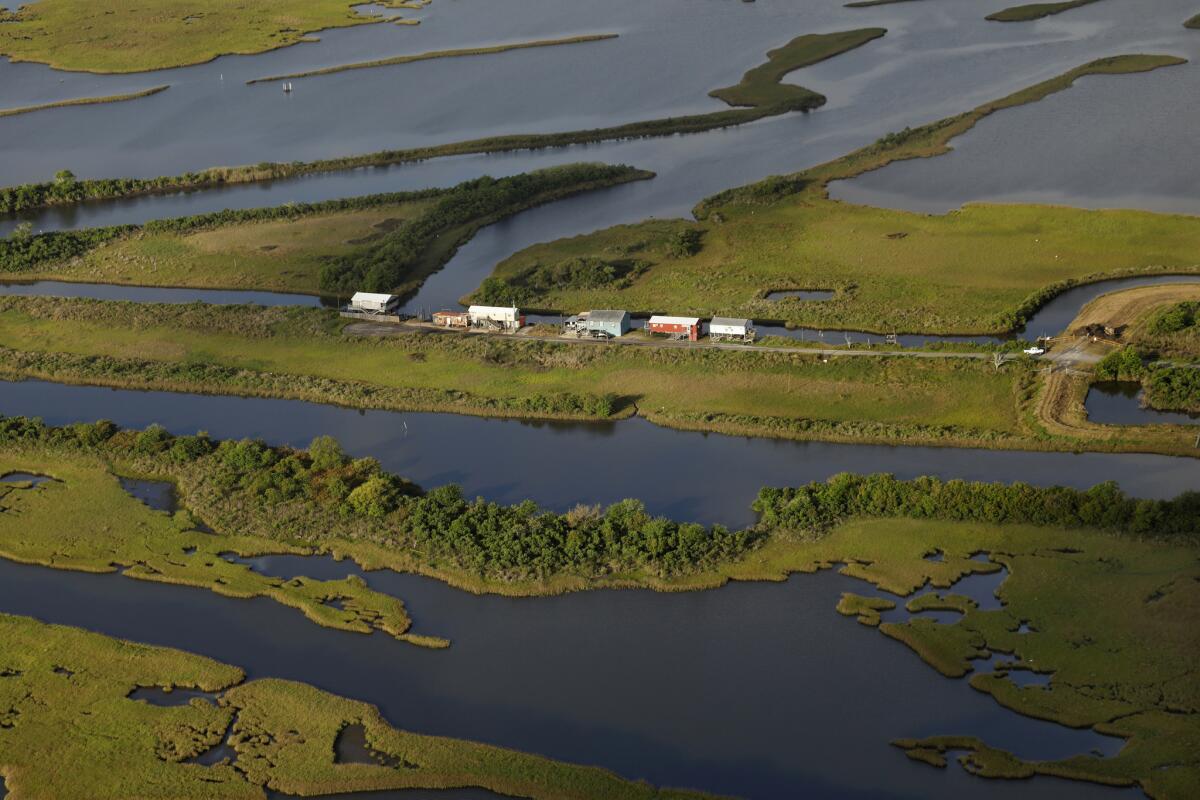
x=982 y=269
x=762 y=84
x=124 y=37
x=67 y=698
x=384 y=242
x=436 y=54
x=1032 y=11
x=1101 y=593
x=311 y=354
x=1193 y=23
x=82 y=101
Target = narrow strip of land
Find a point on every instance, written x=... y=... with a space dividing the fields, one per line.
x=436 y=54
x=83 y=101
x=762 y=86
x=1034 y=11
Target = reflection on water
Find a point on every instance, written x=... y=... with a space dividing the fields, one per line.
x=159 y=495
x=1049 y=151
x=1120 y=403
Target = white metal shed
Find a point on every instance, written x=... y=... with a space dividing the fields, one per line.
x=373 y=303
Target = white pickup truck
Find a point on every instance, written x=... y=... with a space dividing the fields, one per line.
x=1035 y=351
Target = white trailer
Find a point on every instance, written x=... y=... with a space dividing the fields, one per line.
x=496 y=318
x=729 y=329
x=372 y=303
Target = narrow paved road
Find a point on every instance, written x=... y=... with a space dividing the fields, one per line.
x=376 y=329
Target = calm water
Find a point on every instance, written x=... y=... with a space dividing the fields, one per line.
x=1119 y=142
x=702 y=477
x=670 y=54
x=1119 y=403
x=745 y=690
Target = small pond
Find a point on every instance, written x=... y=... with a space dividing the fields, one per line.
x=1120 y=403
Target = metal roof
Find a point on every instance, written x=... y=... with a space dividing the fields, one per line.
x=730 y=322
x=606 y=315
x=371 y=297
x=660 y=320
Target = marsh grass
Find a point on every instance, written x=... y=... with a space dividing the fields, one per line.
x=982 y=269
x=65 y=694
x=126 y=36
x=436 y=54
x=1032 y=11
x=83 y=101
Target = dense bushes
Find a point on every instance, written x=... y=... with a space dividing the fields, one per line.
x=395 y=259
x=818 y=505
x=1173 y=388
x=582 y=272
x=1174 y=319
x=1120 y=365
x=22 y=251
x=442 y=526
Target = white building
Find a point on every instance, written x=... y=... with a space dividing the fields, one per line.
x=731 y=329
x=496 y=318
x=372 y=303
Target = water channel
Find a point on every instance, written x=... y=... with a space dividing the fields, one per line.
x=756 y=690
x=709 y=478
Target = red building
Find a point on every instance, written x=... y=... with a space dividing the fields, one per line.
x=675 y=327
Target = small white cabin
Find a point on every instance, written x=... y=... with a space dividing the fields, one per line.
x=372 y=303
x=731 y=329
x=496 y=317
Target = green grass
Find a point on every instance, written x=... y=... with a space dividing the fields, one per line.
x=773 y=392
x=981 y=269
x=436 y=54
x=279 y=255
x=1193 y=23
x=83 y=520
x=126 y=36
x=1034 y=11
x=64 y=700
x=82 y=101
x=763 y=86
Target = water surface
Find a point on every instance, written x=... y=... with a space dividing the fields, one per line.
x=746 y=690
x=562 y=464
x=1120 y=403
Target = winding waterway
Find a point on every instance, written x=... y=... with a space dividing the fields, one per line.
x=686 y=475
x=757 y=690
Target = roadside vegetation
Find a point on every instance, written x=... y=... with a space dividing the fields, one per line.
x=82 y=101
x=328 y=246
x=304 y=354
x=981 y=269
x=800 y=52
x=436 y=54
x=311 y=354
x=66 y=699
x=1032 y=11
x=124 y=37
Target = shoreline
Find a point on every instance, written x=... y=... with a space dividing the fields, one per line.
x=437 y=54
x=84 y=101
x=776 y=98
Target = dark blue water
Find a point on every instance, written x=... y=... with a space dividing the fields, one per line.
x=696 y=476
x=1119 y=403
x=745 y=690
